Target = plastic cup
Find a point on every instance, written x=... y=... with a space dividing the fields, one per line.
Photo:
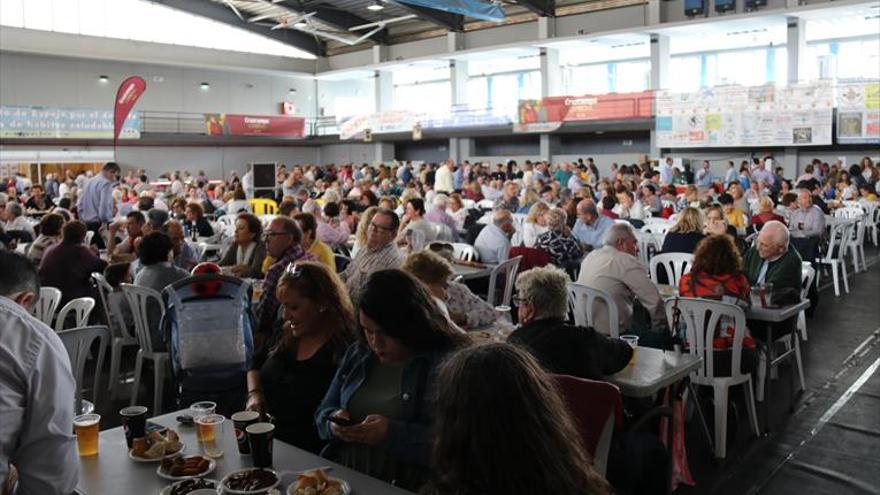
x=134 y=422
x=260 y=438
x=202 y=408
x=633 y=341
x=86 y=428
x=209 y=430
x=241 y=420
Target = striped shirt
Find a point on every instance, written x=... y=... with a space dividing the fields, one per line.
x=365 y=263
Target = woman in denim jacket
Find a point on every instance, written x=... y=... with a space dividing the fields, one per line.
x=385 y=382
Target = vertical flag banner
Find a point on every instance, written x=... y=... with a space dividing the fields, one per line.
x=126 y=96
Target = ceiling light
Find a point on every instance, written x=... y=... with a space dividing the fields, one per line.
x=205 y=86
x=300 y=25
x=291 y=90
x=103 y=79
x=375 y=5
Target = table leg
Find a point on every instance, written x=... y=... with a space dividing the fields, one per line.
x=768 y=361
x=699 y=409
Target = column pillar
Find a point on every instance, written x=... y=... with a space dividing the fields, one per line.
x=384 y=98
x=796 y=46
x=659 y=78
x=458 y=78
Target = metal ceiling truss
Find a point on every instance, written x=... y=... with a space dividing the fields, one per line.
x=544 y=8
x=452 y=22
x=221 y=12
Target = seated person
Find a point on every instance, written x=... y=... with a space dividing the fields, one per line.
x=615 y=269
x=184 y=256
x=116 y=274
x=493 y=242
x=564 y=249
x=17 y=222
x=404 y=338
x=590 y=226
x=154 y=254
x=244 y=257
x=413 y=221
x=735 y=217
x=468 y=310
x=561 y=348
x=434 y=271
x=319 y=324
x=771 y=260
x=686 y=233
x=134 y=228
x=766 y=212
x=497 y=414
x=68 y=265
x=50 y=235
x=310 y=242
x=807 y=223
x=196 y=221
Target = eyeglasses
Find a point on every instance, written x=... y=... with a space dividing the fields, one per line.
x=268 y=234
x=380 y=227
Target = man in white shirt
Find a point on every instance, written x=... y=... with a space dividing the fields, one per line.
x=247 y=183
x=666 y=171
x=443 y=182
x=36 y=390
x=493 y=242
x=615 y=269
x=16 y=221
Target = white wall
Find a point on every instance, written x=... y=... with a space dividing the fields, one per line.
x=334 y=95
x=27 y=79
x=347 y=153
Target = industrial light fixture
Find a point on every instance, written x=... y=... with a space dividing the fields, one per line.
x=300 y=25
x=205 y=86
x=375 y=5
x=103 y=79
x=292 y=91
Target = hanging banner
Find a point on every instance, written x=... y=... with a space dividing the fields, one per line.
x=730 y=116
x=20 y=122
x=618 y=106
x=858 y=112
x=126 y=96
x=225 y=124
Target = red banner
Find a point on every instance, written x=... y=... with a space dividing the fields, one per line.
x=616 y=106
x=220 y=124
x=126 y=96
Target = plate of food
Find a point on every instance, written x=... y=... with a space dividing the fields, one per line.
x=186 y=487
x=253 y=481
x=318 y=483
x=185 y=467
x=157 y=445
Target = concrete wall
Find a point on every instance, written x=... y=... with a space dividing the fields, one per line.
x=332 y=95
x=27 y=79
x=347 y=153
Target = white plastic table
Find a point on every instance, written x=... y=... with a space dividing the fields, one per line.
x=652 y=370
x=112 y=472
x=468 y=272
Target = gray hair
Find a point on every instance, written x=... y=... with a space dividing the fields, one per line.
x=617 y=233
x=14 y=209
x=778 y=231
x=440 y=200
x=546 y=289
x=556 y=219
x=501 y=216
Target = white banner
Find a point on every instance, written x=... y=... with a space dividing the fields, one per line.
x=732 y=116
x=858 y=112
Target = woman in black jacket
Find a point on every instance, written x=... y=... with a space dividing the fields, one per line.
x=687 y=232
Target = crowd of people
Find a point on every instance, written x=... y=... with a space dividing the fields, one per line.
x=359 y=313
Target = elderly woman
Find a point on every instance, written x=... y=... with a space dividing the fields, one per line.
x=377 y=411
x=196 y=221
x=457 y=211
x=542 y=301
x=564 y=249
x=535 y=223
x=50 y=234
x=766 y=212
x=465 y=308
x=686 y=233
x=244 y=257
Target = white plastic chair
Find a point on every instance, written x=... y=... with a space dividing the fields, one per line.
x=464 y=252
x=648 y=246
x=701 y=317
x=873 y=218
x=442 y=232
x=81 y=308
x=675 y=264
x=121 y=334
x=78 y=342
x=44 y=308
x=835 y=256
x=89 y=235
x=808 y=276
x=508 y=271
x=486 y=204
x=582 y=300
x=139 y=298
x=468 y=204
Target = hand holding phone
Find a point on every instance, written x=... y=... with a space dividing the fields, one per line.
x=342 y=421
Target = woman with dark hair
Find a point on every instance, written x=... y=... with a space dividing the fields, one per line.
x=244 y=257
x=289 y=379
x=196 y=221
x=503 y=429
x=385 y=382
x=50 y=234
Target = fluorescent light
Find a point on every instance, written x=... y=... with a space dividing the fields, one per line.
x=205 y=86
x=103 y=79
x=375 y=6
x=300 y=25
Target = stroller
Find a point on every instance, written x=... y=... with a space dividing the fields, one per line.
x=209 y=326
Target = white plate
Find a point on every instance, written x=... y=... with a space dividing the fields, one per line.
x=167 y=489
x=167 y=456
x=346 y=489
x=211 y=466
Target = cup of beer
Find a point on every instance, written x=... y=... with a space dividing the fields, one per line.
x=260 y=437
x=241 y=420
x=199 y=409
x=86 y=428
x=134 y=422
x=209 y=431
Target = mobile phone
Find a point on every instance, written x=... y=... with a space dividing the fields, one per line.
x=150 y=426
x=342 y=421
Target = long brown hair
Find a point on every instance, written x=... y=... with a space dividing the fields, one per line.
x=717 y=255
x=315 y=281
x=502 y=428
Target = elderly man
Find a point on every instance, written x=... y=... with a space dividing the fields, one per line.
x=438 y=215
x=185 y=256
x=284 y=245
x=590 y=226
x=96 y=206
x=542 y=301
x=380 y=253
x=771 y=261
x=493 y=242
x=807 y=224
x=509 y=198
x=36 y=389
x=17 y=222
x=615 y=269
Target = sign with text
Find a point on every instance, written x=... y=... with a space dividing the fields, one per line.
x=65 y=123
x=858 y=112
x=225 y=124
x=618 y=106
x=127 y=95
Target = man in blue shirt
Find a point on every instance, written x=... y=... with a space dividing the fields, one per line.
x=704 y=176
x=590 y=226
x=493 y=242
x=96 y=205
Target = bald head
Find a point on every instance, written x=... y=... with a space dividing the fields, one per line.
x=772 y=240
x=587 y=211
x=503 y=219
